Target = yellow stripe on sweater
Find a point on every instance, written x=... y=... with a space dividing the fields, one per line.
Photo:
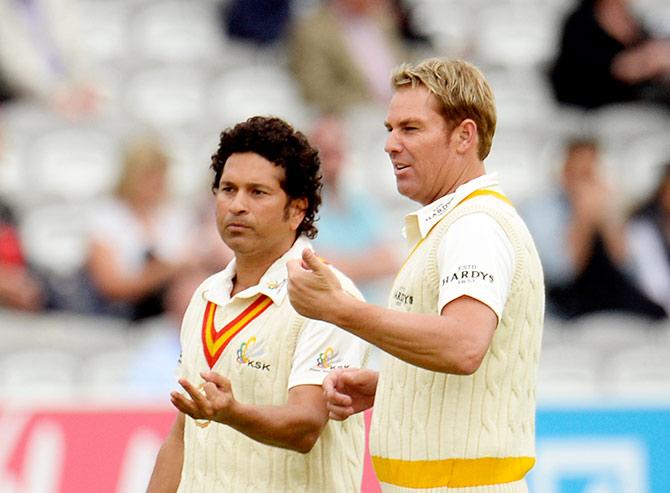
x=454 y=473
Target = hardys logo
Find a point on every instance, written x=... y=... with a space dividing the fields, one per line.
x=401 y=297
x=467 y=274
x=329 y=360
x=247 y=354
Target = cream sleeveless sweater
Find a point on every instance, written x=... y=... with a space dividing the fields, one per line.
x=438 y=432
x=219 y=459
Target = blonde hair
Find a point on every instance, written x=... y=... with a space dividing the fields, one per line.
x=140 y=155
x=461 y=90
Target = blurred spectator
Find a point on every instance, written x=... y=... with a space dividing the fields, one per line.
x=5 y=91
x=153 y=373
x=19 y=288
x=409 y=31
x=606 y=56
x=352 y=226
x=206 y=247
x=342 y=53
x=137 y=241
x=259 y=21
x=579 y=233
x=649 y=240
x=38 y=55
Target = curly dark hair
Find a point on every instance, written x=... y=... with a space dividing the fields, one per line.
x=279 y=143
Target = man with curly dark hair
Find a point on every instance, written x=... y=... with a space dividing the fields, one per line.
x=252 y=367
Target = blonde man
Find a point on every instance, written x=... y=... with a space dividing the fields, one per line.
x=455 y=397
x=254 y=415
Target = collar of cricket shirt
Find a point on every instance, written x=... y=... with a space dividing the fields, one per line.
x=273 y=283
x=419 y=223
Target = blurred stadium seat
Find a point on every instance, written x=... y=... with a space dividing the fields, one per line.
x=606 y=333
x=54 y=237
x=239 y=93
x=107 y=376
x=176 y=31
x=167 y=95
x=103 y=30
x=516 y=35
x=71 y=164
x=567 y=372
x=638 y=374
x=39 y=375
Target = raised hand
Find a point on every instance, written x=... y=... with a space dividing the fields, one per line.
x=312 y=286
x=213 y=400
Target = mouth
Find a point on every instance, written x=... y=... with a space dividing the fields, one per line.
x=237 y=226
x=398 y=167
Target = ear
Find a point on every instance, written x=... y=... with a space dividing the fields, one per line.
x=465 y=136
x=296 y=212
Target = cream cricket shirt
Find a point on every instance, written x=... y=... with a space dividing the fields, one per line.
x=258 y=341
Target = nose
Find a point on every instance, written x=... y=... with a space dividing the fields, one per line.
x=237 y=203
x=392 y=144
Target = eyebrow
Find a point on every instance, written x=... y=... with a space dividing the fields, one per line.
x=403 y=123
x=254 y=184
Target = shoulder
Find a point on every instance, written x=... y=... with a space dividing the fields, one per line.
x=481 y=214
x=477 y=229
x=474 y=222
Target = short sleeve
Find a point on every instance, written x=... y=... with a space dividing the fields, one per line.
x=475 y=259
x=322 y=348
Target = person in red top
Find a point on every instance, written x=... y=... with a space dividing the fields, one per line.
x=19 y=289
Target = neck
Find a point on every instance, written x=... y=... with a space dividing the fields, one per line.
x=473 y=170
x=248 y=273
x=249 y=268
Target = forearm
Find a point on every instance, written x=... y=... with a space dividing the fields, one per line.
x=440 y=343
x=580 y=242
x=290 y=426
x=614 y=238
x=167 y=470
x=115 y=286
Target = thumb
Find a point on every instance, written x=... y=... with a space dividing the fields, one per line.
x=311 y=261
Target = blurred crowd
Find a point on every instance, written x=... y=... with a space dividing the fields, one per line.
x=146 y=236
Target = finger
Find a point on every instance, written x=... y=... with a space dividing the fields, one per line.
x=330 y=382
x=339 y=413
x=338 y=399
x=331 y=393
x=198 y=398
x=211 y=391
x=312 y=262
x=184 y=404
x=216 y=378
x=354 y=378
